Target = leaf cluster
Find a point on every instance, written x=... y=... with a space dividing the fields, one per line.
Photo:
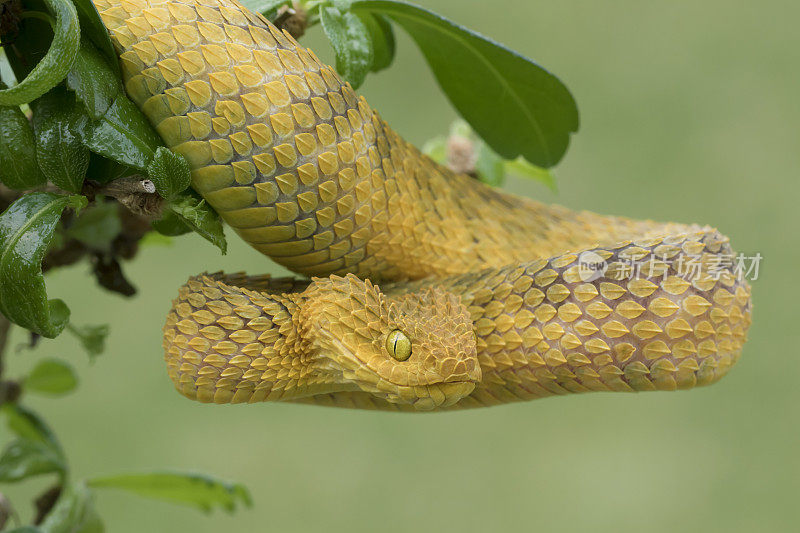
x=68 y=136
x=36 y=452
x=518 y=108
x=83 y=131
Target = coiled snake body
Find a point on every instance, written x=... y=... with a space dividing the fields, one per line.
x=483 y=297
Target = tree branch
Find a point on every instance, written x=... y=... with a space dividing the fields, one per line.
x=136 y=193
x=138 y=204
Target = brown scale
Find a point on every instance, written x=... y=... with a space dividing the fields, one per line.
x=307 y=173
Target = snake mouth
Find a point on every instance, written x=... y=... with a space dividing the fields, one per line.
x=444 y=395
x=426 y=397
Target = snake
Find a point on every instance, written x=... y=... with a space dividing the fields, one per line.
x=420 y=289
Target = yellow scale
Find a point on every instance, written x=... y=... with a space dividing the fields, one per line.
x=307 y=173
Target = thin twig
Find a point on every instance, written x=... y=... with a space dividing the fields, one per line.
x=130 y=185
x=137 y=193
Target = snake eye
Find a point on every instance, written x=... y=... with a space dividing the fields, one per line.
x=398 y=345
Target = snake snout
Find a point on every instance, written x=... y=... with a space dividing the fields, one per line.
x=444 y=395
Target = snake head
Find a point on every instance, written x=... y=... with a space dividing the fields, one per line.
x=417 y=349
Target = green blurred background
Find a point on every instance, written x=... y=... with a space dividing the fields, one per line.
x=689 y=113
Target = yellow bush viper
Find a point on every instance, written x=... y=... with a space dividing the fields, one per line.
x=483 y=297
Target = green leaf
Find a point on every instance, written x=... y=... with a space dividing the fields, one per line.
x=22 y=459
x=92 y=27
x=31 y=43
x=198 y=490
x=123 y=134
x=26 y=230
x=59 y=150
x=156 y=238
x=381 y=35
x=436 y=149
x=57 y=60
x=516 y=106
x=26 y=529
x=199 y=216
x=341 y=5
x=94 y=82
x=351 y=42
x=268 y=8
x=104 y=170
x=170 y=224
x=169 y=172
x=29 y=426
x=73 y=513
x=461 y=128
x=92 y=338
x=490 y=167
x=522 y=168
x=51 y=376
x=97 y=226
x=18 y=168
